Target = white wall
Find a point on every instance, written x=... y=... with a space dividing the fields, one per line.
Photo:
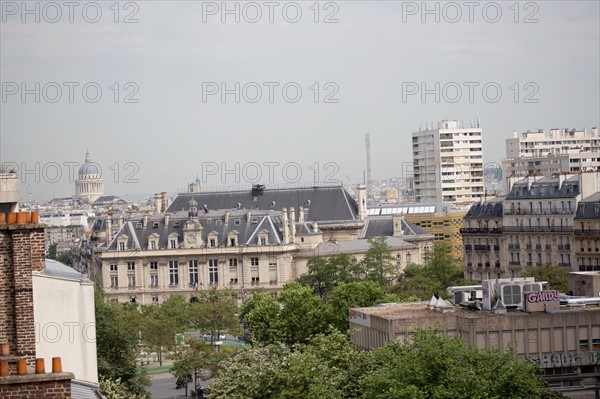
x=66 y=325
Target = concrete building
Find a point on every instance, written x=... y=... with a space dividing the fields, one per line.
x=564 y=340
x=9 y=191
x=89 y=184
x=530 y=227
x=448 y=163
x=562 y=150
x=586 y=229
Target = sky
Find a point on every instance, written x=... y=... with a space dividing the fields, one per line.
x=237 y=93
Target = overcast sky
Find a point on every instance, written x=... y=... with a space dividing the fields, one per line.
x=361 y=67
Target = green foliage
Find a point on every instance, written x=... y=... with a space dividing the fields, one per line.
x=64 y=258
x=159 y=324
x=442 y=265
x=324 y=274
x=116 y=343
x=556 y=276
x=115 y=389
x=195 y=356
x=434 y=366
x=292 y=318
x=378 y=262
x=329 y=366
x=215 y=312
x=52 y=251
x=323 y=368
x=352 y=295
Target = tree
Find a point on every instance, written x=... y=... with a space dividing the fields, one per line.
x=352 y=295
x=324 y=274
x=215 y=311
x=159 y=324
x=415 y=282
x=52 y=251
x=378 y=262
x=196 y=356
x=295 y=316
x=262 y=315
x=117 y=343
x=439 y=367
x=326 y=367
x=65 y=258
x=442 y=265
x=556 y=276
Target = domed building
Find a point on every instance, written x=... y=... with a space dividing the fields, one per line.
x=89 y=186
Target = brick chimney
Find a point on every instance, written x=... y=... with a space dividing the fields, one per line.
x=22 y=250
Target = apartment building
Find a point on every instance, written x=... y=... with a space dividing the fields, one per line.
x=533 y=225
x=448 y=163
x=586 y=231
x=560 y=150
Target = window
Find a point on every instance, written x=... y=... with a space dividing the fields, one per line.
x=173 y=244
x=398 y=259
x=152 y=244
x=173 y=273
x=584 y=344
x=237 y=222
x=130 y=266
x=254 y=271
x=114 y=281
x=175 y=224
x=408 y=259
x=218 y=222
x=121 y=246
x=153 y=265
x=193 y=270
x=113 y=267
x=213 y=242
x=213 y=271
x=273 y=270
x=263 y=240
x=232 y=241
x=254 y=221
x=253 y=261
x=154 y=299
x=233 y=271
x=131 y=280
x=155 y=225
x=153 y=280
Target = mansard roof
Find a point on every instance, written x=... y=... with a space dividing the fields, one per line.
x=214 y=221
x=488 y=209
x=320 y=203
x=544 y=188
x=382 y=226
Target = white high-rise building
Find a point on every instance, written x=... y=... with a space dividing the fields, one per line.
x=448 y=163
x=538 y=153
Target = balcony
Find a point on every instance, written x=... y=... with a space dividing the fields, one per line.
x=514 y=263
x=538 y=246
x=480 y=230
x=480 y=264
x=587 y=233
x=548 y=246
x=529 y=263
x=565 y=264
x=542 y=229
x=528 y=246
x=469 y=264
x=487 y=264
x=514 y=246
x=498 y=264
x=482 y=247
x=496 y=247
x=468 y=247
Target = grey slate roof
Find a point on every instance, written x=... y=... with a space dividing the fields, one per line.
x=382 y=226
x=323 y=203
x=213 y=221
x=546 y=187
x=589 y=208
x=84 y=390
x=489 y=209
x=109 y=199
x=330 y=248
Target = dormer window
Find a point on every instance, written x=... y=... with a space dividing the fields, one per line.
x=173 y=244
x=155 y=225
x=254 y=221
x=237 y=221
x=175 y=224
x=232 y=238
x=218 y=222
x=153 y=241
x=121 y=246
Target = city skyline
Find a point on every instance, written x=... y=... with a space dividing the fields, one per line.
x=379 y=70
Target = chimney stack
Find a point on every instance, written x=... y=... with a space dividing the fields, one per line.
x=249 y=216
x=397 y=220
x=292 y=225
x=301 y=215
x=108 y=223
x=145 y=221
x=166 y=220
x=315 y=227
x=286 y=230
x=226 y=218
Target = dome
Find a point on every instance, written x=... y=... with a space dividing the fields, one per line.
x=88 y=167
